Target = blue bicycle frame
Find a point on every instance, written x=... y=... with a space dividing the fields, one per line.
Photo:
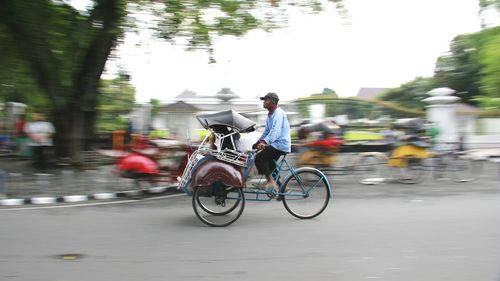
x=281 y=166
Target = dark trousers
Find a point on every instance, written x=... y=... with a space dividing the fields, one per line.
x=39 y=158
x=264 y=160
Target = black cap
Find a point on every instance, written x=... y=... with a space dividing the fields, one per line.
x=271 y=96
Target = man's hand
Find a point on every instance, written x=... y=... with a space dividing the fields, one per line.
x=254 y=146
x=261 y=146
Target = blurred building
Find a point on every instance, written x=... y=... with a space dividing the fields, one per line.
x=178 y=115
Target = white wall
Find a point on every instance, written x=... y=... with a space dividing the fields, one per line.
x=160 y=121
x=184 y=125
x=488 y=126
x=141 y=118
x=317 y=112
x=483 y=141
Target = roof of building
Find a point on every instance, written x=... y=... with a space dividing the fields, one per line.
x=180 y=106
x=187 y=94
x=226 y=94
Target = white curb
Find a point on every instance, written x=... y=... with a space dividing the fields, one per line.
x=101 y=196
x=75 y=198
x=43 y=200
x=12 y=202
x=372 y=181
x=157 y=189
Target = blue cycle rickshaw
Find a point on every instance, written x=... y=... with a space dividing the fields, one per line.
x=219 y=177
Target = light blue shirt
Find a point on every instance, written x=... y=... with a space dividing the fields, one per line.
x=277 y=131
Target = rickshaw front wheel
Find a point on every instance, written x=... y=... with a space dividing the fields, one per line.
x=306 y=193
x=218 y=205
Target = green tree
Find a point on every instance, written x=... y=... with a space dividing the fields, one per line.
x=16 y=83
x=485 y=6
x=355 y=108
x=155 y=107
x=471 y=67
x=66 y=51
x=116 y=99
x=410 y=94
x=460 y=68
x=490 y=78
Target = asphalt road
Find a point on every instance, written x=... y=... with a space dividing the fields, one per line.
x=431 y=231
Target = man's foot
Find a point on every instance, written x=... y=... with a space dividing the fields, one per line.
x=269 y=187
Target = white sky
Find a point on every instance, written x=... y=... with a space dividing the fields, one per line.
x=388 y=43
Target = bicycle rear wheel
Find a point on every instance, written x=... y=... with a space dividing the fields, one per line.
x=368 y=169
x=218 y=205
x=460 y=168
x=306 y=194
x=411 y=171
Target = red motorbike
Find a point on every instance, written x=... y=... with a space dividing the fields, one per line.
x=153 y=163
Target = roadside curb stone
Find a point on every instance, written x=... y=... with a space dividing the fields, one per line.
x=47 y=200
x=23 y=185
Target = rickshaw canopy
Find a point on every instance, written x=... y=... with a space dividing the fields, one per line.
x=228 y=118
x=416 y=124
x=322 y=127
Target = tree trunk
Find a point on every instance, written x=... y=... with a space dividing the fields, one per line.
x=89 y=131
x=69 y=138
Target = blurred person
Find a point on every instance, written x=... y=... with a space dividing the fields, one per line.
x=20 y=136
x=226 y=142
x=4 y=140
x=237 y=143
x=341 y=132
x=128 y=133
x=461 y=142
x=328 y=141
x=390 y=135
x=303 y=132
x=274 y=142
x=339 y=129
x=40 y=134
x=302 y=135
x=320 y=152
x=433 y=132
x=20 y=123
x=3 y=180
